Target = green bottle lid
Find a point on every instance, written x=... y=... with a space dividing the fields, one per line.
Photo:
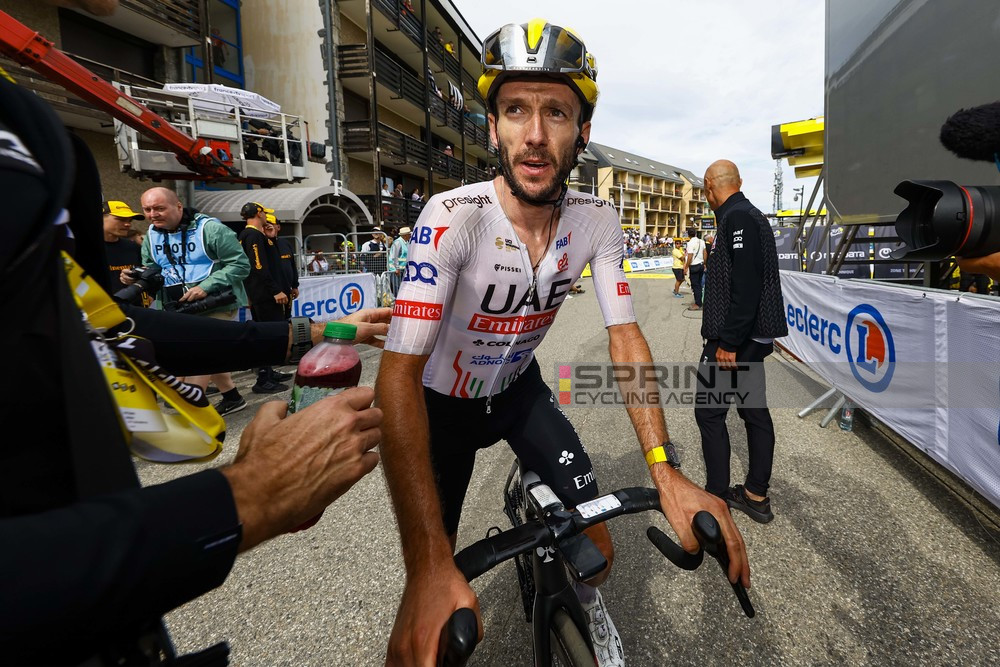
x=340 y=330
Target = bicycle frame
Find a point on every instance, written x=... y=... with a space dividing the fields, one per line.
x=552 y=588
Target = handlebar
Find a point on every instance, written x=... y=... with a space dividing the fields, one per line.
x=459 y=636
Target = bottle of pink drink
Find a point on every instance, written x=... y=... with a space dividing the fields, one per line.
x=328 y=368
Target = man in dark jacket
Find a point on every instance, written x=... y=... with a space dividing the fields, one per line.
x=264 y=285
x=743 y=314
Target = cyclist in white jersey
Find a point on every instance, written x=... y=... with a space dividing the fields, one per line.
x=489 y=266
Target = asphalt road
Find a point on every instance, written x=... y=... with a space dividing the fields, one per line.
x=869 y=561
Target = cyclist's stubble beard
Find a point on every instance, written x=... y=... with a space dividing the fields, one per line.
x=563 y=166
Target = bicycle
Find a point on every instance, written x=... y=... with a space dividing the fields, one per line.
x=543 y=541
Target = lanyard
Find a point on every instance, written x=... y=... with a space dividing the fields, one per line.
x=135 y=381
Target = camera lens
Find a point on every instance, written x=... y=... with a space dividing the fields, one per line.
x=944 y=219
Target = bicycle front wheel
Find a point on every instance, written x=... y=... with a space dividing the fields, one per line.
x=569 y=648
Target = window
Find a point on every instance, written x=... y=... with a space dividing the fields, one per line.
x=227 y=46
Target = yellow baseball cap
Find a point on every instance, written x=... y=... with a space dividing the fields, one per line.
x=270 y=218
x=120 y=209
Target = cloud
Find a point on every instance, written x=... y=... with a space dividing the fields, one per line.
x=690 y=81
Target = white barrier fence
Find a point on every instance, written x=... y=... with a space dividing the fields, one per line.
x=328 y=298
x=924 y=362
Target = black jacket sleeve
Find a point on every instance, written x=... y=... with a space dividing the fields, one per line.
x=75 y=578
x=747 y=272
x=196 y=345
x=260 y=284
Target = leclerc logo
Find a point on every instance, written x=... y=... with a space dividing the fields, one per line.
x=870 y=349
x=352 y=299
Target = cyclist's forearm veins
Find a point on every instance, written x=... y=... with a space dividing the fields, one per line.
x=406 y=463
x=627 y=345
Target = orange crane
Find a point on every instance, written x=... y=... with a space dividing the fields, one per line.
x=207 y=159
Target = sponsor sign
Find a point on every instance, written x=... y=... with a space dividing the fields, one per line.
x=327 y=298
x=913 y=358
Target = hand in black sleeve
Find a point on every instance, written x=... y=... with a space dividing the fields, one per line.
x=747 y=272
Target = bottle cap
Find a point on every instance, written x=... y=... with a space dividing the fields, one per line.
x=340 y=330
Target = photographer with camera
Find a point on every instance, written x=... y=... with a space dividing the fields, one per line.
x=203 y=268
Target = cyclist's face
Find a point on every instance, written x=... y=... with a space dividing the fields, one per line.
x=536 y=128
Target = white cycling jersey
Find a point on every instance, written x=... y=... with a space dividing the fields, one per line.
x=466 y=296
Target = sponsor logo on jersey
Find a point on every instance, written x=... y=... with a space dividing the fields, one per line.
x=564 y=241
x=417 y=310
x=425 y=235
x=466 y=385
x=519 y=355
x=479 y=342
x=487 y=360
x=479 y=201
x=624 y=289
x=511 y=325
x=587 y=201
x=507 y=244
x=511 y=304
x=423 y=272
x=563 y=263
x=508 y=269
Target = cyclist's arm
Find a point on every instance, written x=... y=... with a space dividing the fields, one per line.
x=434 y=586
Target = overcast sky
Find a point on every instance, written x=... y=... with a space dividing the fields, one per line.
x=690 y=81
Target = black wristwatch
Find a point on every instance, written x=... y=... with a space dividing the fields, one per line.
x=301 y=338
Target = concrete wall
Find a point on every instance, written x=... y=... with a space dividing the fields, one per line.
x=283 y=62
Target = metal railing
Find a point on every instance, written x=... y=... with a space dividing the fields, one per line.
x=401 y=17
x=181 y=15
x=394 y=211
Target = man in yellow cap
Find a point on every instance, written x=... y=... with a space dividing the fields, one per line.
x=122 y=253
x=264 y=291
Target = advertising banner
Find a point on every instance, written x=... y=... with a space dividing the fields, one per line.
x=903 y=355
x=328 y=298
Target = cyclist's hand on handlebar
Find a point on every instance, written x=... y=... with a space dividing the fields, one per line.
x=428 y=602
x=680 y=500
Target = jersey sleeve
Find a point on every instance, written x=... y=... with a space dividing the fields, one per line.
x=613 y=293
x=435 y=259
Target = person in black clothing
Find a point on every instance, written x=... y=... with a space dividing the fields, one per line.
x=289 y=268
x=122 y=253
x=91 y=560
x=265 y=289
x=743 y=314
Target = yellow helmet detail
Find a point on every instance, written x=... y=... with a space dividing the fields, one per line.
x=539 y=48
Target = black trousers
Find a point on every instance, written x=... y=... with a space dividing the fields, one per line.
x=697 y=273
x=710 y=413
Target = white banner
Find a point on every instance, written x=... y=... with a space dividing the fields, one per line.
x=649 y=263
x=921 y=361
x=328 y=298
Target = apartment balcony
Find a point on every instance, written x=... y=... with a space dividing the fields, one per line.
x=355 y=65
x=394 y=211
x=72 y=109
x=449 y=63
x=406 y=153
x=401 y=18
x=173 y=23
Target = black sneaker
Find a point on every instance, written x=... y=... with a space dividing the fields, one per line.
x=268 y=387
x=758 y=510
x=211 y=389
x=278 y=376
x=228 y=406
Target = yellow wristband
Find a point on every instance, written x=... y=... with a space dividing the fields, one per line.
x=656 y=455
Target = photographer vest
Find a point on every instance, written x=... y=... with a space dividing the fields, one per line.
x=182 y=252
